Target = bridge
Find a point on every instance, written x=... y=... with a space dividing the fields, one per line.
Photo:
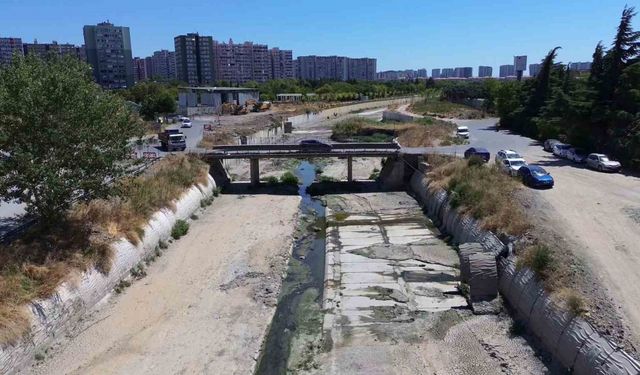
x=338 y=150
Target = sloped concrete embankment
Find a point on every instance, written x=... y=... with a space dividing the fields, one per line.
x=570 y=339
x=50 y=317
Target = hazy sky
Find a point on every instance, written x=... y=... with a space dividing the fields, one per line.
x=400 y=34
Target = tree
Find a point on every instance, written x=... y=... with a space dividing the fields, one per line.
x=541 y=89
x=625 y=47
x=154 y=98
x=62 y=136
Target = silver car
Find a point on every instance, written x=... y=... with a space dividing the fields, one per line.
x=602 y=163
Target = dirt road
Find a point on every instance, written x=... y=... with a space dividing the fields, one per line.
x=203 y=308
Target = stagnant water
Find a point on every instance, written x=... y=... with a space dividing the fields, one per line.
x=305 y=273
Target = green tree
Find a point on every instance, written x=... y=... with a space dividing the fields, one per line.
x=626 y=47
x=155 y=98
x=62 y=136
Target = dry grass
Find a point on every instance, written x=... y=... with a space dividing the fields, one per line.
x=423 y=132
x=483 y=192
x=436 y=107
x=217 y=137
x=36 y=264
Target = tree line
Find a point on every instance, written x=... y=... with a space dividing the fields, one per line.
x=598 y=111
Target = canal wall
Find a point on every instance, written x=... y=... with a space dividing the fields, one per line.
x=73 y=299
x=571 y=340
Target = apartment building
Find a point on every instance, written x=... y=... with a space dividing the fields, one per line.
x=534 y=69
x=507 y=71
x=336 y=68
x=194 y=59
x=162 y=65
x=447 y=73
x=485 y=71
x=435 y=73
x=42 y=50
x=139 y=69
x=108 y=50
x=463 y=72
x=281 y=63
x=9 y=47
x=580 y=66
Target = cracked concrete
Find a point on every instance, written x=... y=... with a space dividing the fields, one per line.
x=391 y=298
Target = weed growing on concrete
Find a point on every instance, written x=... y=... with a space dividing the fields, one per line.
x=271 y=180
x=374 y=174
x=341 y=216
x=539 y=259
x=572 y=301
x=194 y=217
x=121 y=286
x=517 y=328
x=138 y=271
x=180 y=228
x=324 y=178
x=163 y=245
x=216 y=191
x=288 y=178
x=206 y=202
x=39 y=356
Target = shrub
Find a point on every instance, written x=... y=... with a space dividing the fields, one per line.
x=475 y=161
x=271 y=180
x=180 y=228
x=539 y=259
x=289 y=178
x=341 y=216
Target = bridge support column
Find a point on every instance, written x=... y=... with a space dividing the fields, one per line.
x=255 y=171
x=349 y=168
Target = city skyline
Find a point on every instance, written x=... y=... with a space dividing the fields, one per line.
x=577 y=29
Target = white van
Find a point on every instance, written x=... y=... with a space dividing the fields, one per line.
x=463 y=132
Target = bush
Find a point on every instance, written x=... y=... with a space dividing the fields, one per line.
x=289 y=178
x=539 y=259
x=271 y=180
x=180 y=228
x=475 y=161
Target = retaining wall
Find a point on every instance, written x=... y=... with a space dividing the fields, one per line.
x=49 y=317
x=570 y=339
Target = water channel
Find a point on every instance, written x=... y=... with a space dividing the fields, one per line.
x=302 y=288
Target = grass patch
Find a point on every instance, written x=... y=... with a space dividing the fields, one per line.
x=217 y=138
x=481 y=191
x=288 y=178
x=539 y=259
x=34 y=265
x=341 y=216
x=180 y=228
x=271 y=180
x=572 y=301
x=434 y=106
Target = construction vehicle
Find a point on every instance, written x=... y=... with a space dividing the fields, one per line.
x=172 y=140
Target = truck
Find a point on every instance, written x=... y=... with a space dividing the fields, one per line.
x=172 y=140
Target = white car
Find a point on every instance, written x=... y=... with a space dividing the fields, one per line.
x=511 y=166
x=560 y=149
x=506 y=154
x=186 y=122
x=463 y=132
x=576 y=155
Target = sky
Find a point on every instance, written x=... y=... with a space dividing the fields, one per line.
x=401 y=34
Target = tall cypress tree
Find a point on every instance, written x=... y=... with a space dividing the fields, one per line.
x=625 y=47
x=541 y=90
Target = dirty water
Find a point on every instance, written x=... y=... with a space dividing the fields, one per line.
x=298 y=313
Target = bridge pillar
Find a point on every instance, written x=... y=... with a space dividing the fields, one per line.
x=349 y=168
x=254 y=165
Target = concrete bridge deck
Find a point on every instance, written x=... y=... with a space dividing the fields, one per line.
x=337 y=150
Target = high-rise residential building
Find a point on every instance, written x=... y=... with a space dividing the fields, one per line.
x=399 y=75
x=9 y=47
x=447 y=73
x=485 y=71
x=139 y=69
x=44 y=49
x=519 y=65
x=109 y=53
x=435 y=73
x=534 y=69
x=281 y=63
x=194 y=59
x=162 y=65
x=336 y=68
x=422 y=73
x=580 y=66
x=463 y=72
x=507 y=71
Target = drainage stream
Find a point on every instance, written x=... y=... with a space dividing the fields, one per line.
x=295 y=334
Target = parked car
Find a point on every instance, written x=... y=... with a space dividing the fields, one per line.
x=186 y=122
x=560 y=149
x=602 y=163
x=549 y=143
x=481 y=152
x=576 y=155
x=506 y=154
x=463 y=132
x=313 y=145
x=511 y=166
x=535 y=176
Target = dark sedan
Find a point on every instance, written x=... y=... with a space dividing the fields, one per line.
x=313 y=145
x=535 y=176
x=480 y=152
